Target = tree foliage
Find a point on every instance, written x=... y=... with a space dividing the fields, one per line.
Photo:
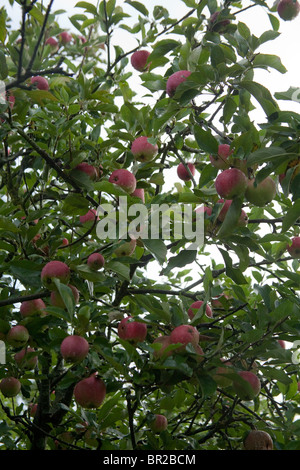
x=92 y=112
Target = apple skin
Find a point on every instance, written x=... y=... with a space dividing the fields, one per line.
x=139 y=60
x=27 y=363
x=91 y=215
x=182 y=172
x=165 y=341
x=10 y=386
x=88 y=169
x=17 y=336
x=55 y=270
x=288 y=9
x=123 y=178
x=96 y=261
x=53 y=43
x=215 y=302
x=243 y=219
x=219 y=26
x=220 y=374
x=220 y=160
x=195 y=306
x=258 y=440
x=281 y=342
x=230 y=183
x=32 y=307
x=74 y=348
x=185 y=334
x=40 y=82
x=126 y=248
x=175 y=79
x=260 y=195
x=254 y=382
x=132 y=331
x=142 y=150
x=139 y=192
x=159 y=424
x=90 y=392
x=65 y=37
x=294 y=248
x=57 y=301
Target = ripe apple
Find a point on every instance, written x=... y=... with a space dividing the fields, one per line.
x=220 y=160
x=230 y=183
x=57 y=300
x=243 y=219
x=294 y=248
x=218 y=25
x=132 y=331
x=165 y=341
x=53 y=43
x=221 y=372
x=123 y=178
x=91 y=215
x=251 y=386
x=17 y=336
x=10 y=386
x=175 y=79
x=126 y=248
x=90 y=392
x=142 y=150
x=11 y=101
x=65 y=37
x=182 y=172
x=96 y=261
x=55 y=270
x=139 y=192
x=26 y=358
x=262 y=193
x=40 y=82
x=204 y=209
x=33 y=409
x=159 y=423
x=88 y=169
x=139 y=60
x=258 y=440
x=281 y=343
x=185 y=334
x=74 y=348
x=288 y=9
x=32 y=307
x=216 y=303
x=195 y=306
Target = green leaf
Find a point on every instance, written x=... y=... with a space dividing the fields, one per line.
x=3 y=66
x=266 y=154
x=205 y=140
x=122 y=270
x=269 y=60
x=7 y=226
x=232 y=217
x=3 y=30
x=234 y=273
x=261 y=94
x=182 y=259
x=87 y=6
x=67 y=296
x=291 y=216
x=74 y=204
x=162 y=47
x=138 y=6
x=157 y=248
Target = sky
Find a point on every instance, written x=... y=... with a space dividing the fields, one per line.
x=286 y=46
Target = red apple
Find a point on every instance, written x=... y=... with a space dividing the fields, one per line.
x=220 y=160
x=131 y=330
x=55 y=270
x=65 y=37
x=88 y=169
x=142 y=150
x=182 y=172
x=185 y=334
x=165 y=341
x=258 y=440
x=96 y=261
x=91 y=215
x=195 y=306
x=123 y=178
x=216 y=303
x=175 y=79
x=64 y=242
x=204 y=209
x=33 y=409
x=126 y=248
x=294 y=248
x=40 y=82
x=221 y=374
x=74 y=348
x=139 y=192
x=17 y=336
x=218 y=25
x=10 y=386
x=281 y=342
x=262 y=193
x=288 y=9
x=159 y=423
x=32 y=307
x=230 y=183
x=26 y=358
x=57 y=300
x=251 y=386
x=243 y=219
x=90 y=392
x=139 y=60
x=53 y=43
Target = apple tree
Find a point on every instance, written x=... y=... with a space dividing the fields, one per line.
x=119 y=342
